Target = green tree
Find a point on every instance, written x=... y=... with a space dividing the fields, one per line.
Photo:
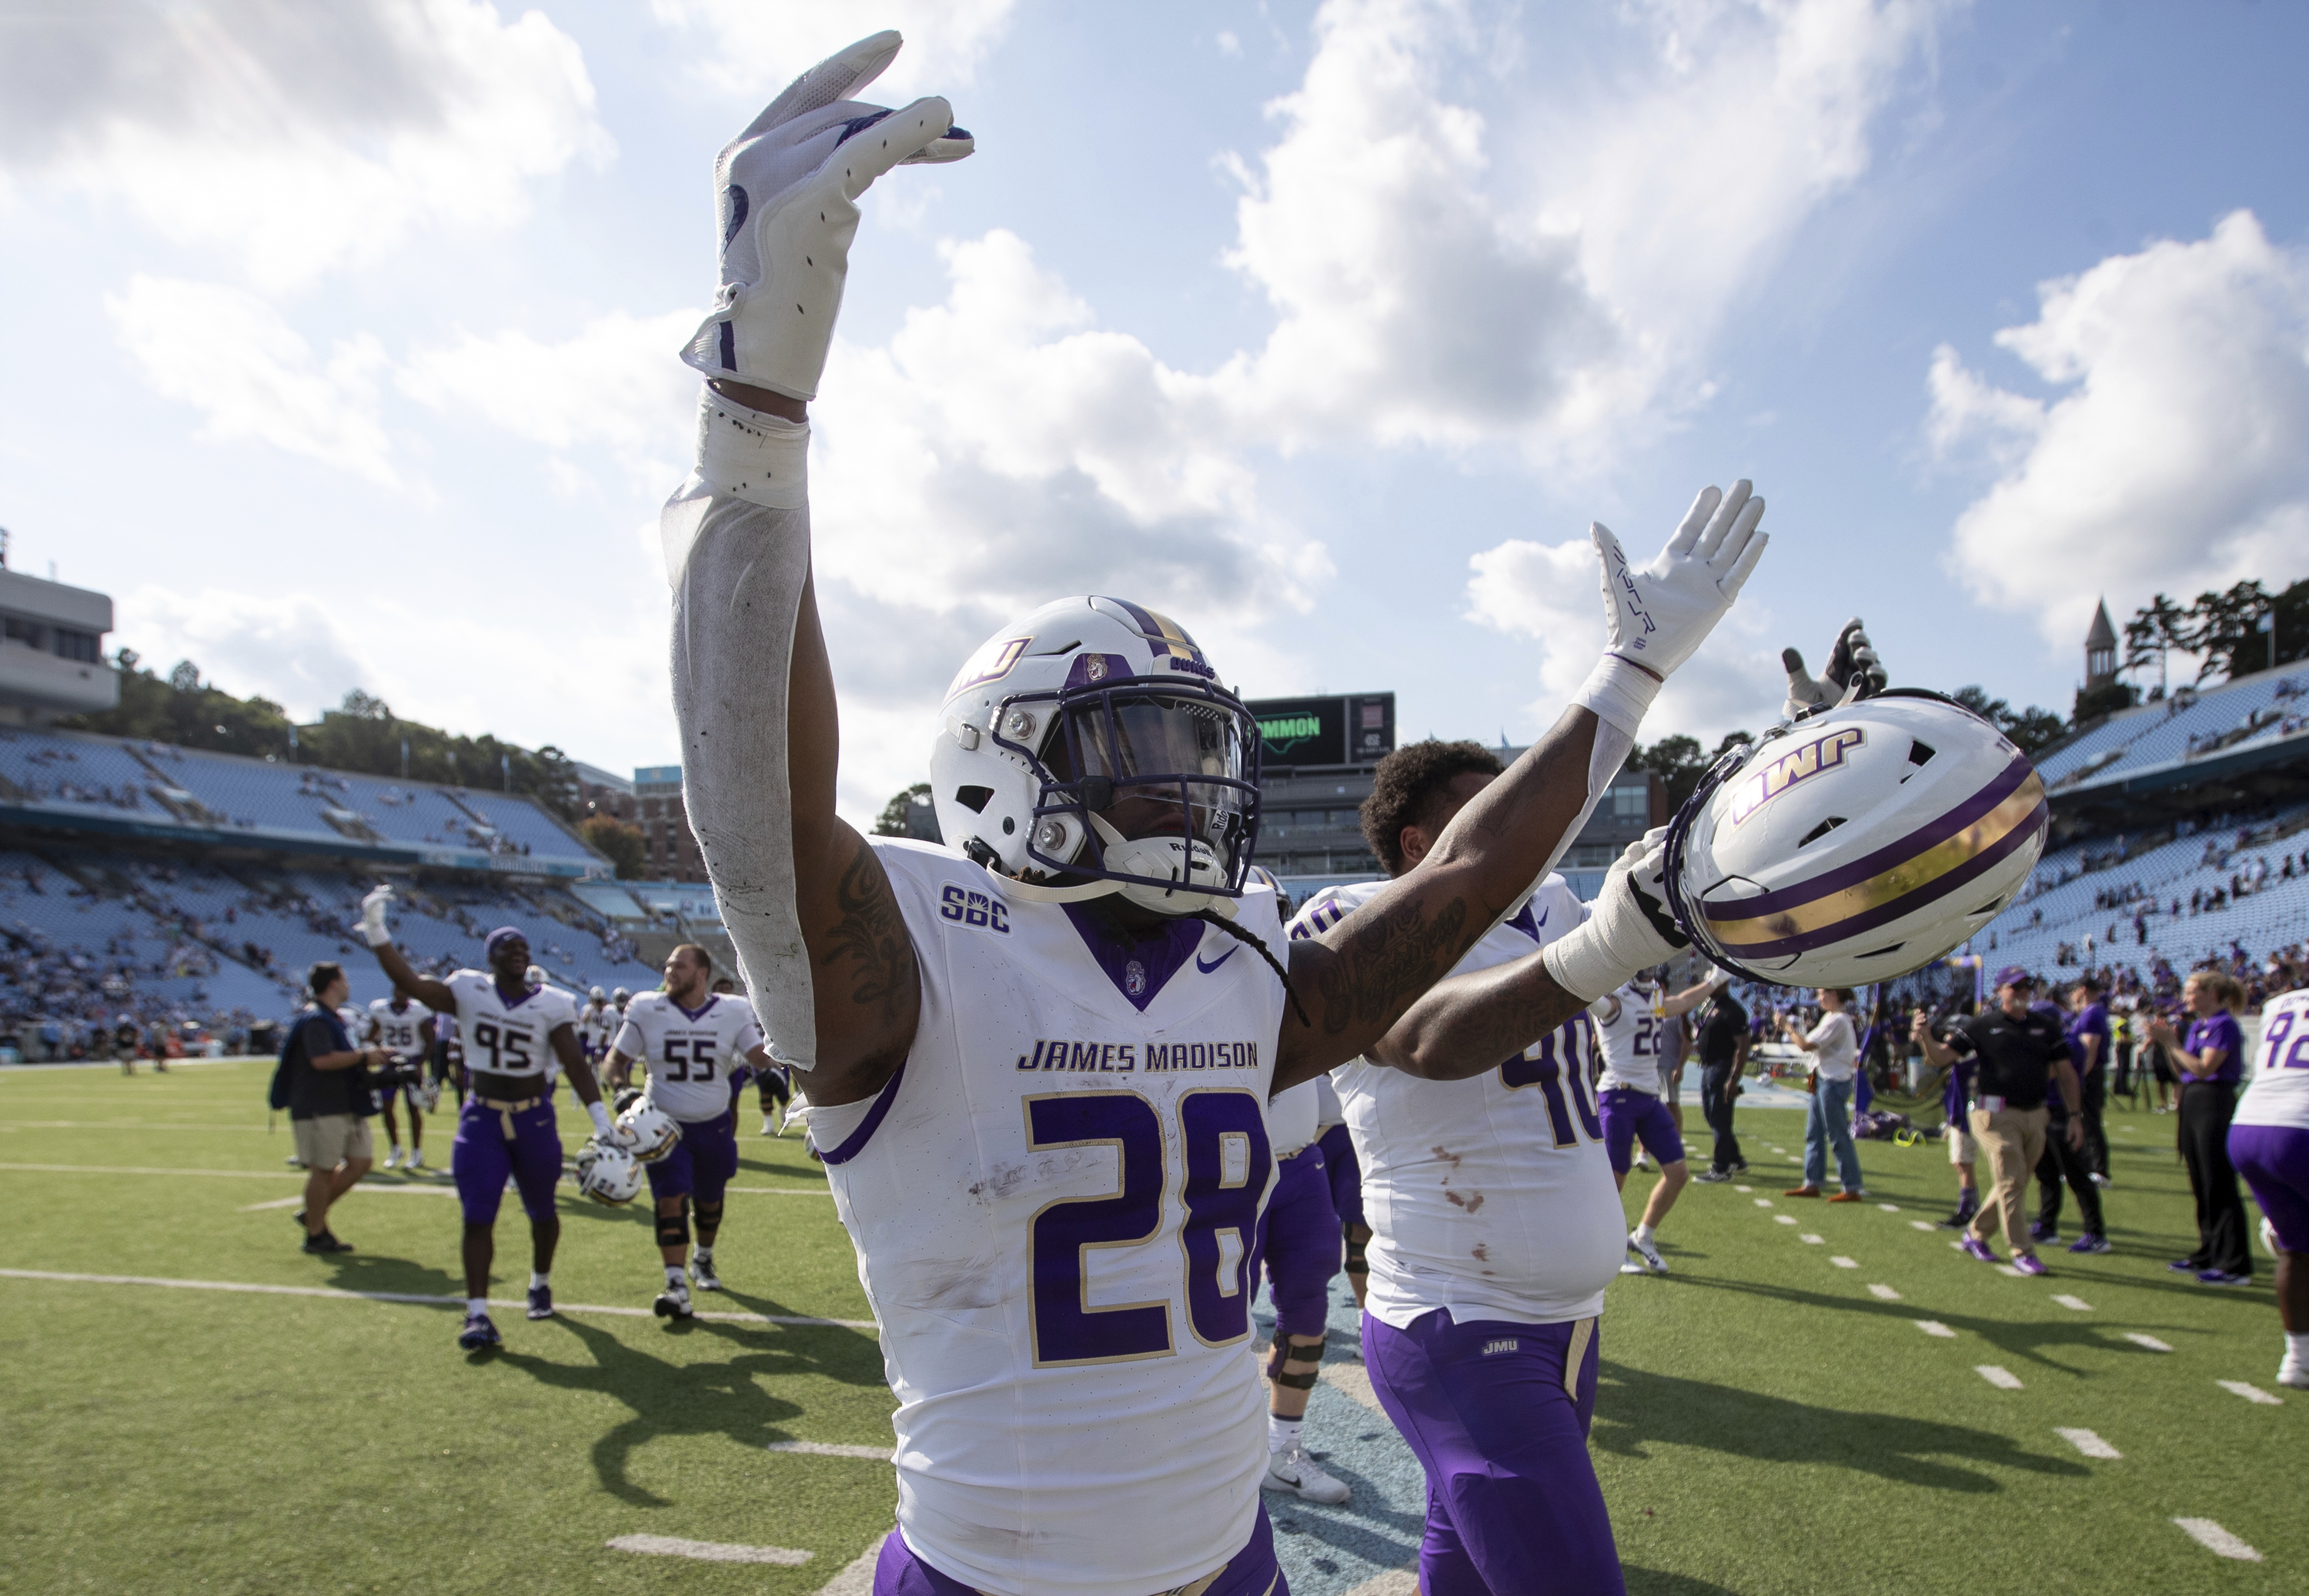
x=1679 y=764
x=896 y=819
x=2029 y=730
x=619 y=841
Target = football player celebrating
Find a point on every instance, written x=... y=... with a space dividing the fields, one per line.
x=404 y=1030
x=1039 y=1057
x=1630 y=1026
x=510 y=1030
x=693 y=1041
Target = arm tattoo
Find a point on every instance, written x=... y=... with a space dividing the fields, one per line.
x=871 y=934
x=1386 y=960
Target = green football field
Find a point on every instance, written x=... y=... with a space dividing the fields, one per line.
x=1842 y=1403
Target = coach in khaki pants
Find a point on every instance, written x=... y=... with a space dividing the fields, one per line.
x=2021 y=1054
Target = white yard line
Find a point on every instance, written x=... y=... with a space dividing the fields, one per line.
x=2076 y=1303
x=1925 y=1225
x=2089 y=1443
x=421 y=1191
x=1841 y=1262
x=2010 y=1272
x=1763 y=1202
x=1933 y=1327
x=708 y=1551
x=1785 y=1218
x=857 y=1577
x=2149 y=1342
x=2217 y=1540
x=2252 y=1393
x=1883 y=1293
x=880 y=1455
x=421 y=1300
x=1998 y=1375
x=1889 y=1207
x=1812 y=1240
x=1743 y=1188
x=284 y=1173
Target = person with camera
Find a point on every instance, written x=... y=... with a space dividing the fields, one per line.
x=1836 y=1050
x=2021 y=1055
x=328 y=1102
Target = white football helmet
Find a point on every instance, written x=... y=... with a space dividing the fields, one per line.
x=654 y=1131
x=1857 y=844
x=609 y=1175
x=596 y=993
x=428 y=1095
x=536 y=977
x=1089 y=711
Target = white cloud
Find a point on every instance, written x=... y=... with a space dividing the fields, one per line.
x=2178 y=457
x=618 y=384
x=759 y=46
x=296 y=136
x=230 y=356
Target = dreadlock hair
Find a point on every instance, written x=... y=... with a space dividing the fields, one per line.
x=1252 y=939
x=1409 y=787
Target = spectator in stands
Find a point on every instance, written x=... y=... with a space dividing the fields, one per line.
x=1723 y=1060
x=327 y=1103
x=2210 y=1060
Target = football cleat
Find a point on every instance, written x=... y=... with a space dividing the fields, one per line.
x=393 y=1159
x=701 y=1270
x=2294 y=1373
x=416 y=1159
x=477 y=1334
x=326 y=1242
x=540 y=1302
x=2221 y=1277
x=769 y=1127
x=2030 y=1263
x=1712 y=1177
x=673 y=1303
x=1296 y=1472
x=1648 y=1251
x=2089 y=1243
x=1975 y=1247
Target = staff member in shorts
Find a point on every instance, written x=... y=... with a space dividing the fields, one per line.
x=325 y=1100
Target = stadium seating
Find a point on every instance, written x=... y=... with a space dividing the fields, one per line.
x=2257 y=710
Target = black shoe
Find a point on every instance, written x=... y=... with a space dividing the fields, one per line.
x=477 y=1334
x=540 y=1302
x=1738 y=1166
x=701 y=1270
x=326 y=1243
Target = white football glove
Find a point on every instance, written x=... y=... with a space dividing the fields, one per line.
x=1627 y=930
x=1850 y=658
x=373 y=927
x=788 y=187
x=1659 y=613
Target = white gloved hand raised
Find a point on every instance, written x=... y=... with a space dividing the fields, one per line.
x=788 y=187
x=1659 y=613
x=373 y=927
x=1627 y=930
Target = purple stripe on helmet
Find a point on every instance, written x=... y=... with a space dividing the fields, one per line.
x=1152 y=629
x=1865 y=868
x=1908 y=903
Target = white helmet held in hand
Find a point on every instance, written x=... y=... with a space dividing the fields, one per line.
x=1089 y=719
x=652 y=1129
x=1857 y=844
x=609 y=1175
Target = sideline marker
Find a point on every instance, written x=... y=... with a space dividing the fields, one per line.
x=2089 y=1443
x=2078 y=1303
x=1785 y=1218
x=1998 y=1375
x=2217 y=1540
x=708 y=1551
x=1883 y=1294
x=1925 y=1225
x=1841 y=1262
x=2252 y=1393
x=2149 y=1342
x=1933 y=1327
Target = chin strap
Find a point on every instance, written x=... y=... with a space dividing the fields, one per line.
x=1161 y=899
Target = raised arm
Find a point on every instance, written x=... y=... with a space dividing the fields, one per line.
x=820 y=943
x=1466 y=1025
x=1691 y=997
x=420 y=989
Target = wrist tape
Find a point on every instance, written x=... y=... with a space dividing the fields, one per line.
x=600 y=1117
x=1618 y=693
x=748 y=455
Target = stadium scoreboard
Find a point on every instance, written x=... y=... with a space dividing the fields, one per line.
x=1334 y=729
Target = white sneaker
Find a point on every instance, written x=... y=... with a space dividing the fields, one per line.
x=672 y=1303
x=416 y=1159
x=768 y=1127
x=1648 y=1251
x=1641 y=1162
x=1296 y=1472
x=393 y=1159
x=2292 y=1372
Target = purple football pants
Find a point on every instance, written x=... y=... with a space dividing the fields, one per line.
x=1251 y=1571
x=701 y=1163
x=1346 y=1175
x=481 y=1157
x=1498 y=1413
x=2274 y=1160
x=1299 y=1241
x=1630 y=1115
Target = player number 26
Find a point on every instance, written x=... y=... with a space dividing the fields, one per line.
x=1223 y=1139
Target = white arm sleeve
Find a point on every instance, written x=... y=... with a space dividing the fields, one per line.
x=737 y=543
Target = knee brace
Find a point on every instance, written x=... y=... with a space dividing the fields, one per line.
x=1283 y=1352
x=673 y=1229
x=709 y=1220
x=1356 y=1263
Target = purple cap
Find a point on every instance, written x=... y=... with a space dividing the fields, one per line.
x=2014 y=975
x=499 y=937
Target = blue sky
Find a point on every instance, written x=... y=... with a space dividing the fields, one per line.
x=338 y=343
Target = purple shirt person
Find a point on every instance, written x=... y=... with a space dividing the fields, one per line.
x=2216 y=1031
x=2092 y=1020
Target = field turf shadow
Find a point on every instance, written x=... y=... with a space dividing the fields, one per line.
x=1634 y=1406
x=1659 y=1582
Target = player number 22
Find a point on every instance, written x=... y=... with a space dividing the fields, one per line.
x=1218 y=1201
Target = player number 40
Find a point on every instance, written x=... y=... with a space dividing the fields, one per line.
x=1223 y=1140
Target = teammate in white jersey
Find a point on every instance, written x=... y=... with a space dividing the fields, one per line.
x=404 y=1030
x=1299 y=1245
x=1633 y=1026
x=597 y=1028
x=2269 y=1143
x=1039 y=1057
x=511 y=1032
x=694 y=1043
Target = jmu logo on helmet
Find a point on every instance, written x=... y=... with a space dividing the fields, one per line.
x=1814 y=758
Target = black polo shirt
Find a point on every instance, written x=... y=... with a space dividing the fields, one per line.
x=1720 y=1033
x=314 y=1094
x=2015 y=1056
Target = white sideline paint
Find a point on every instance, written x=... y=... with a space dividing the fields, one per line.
x=880 y=1455
x=1889 y=1207
x=421 y=1191
x=1812 y=1240
x=857 y=1577
x=2089 y=1443
x=284 y=1173
x=418 y=1299
x=1925 y=1225
x=1998 y=1375
x=2078 y=1303
x=2010 y=1272
x=1743 y=1188
x=2252 y=1393
x=1933 y=1327
x=1841 y=1262
x=1883 y=1293
x=2217 y=1540
x=1763 y=1202
x=1784 y=1219
x=708 y=1551
x=2149 y=1342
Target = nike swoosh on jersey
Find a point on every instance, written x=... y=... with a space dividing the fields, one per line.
x=1215 y=963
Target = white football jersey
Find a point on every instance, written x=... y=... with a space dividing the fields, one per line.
x=1292 y=1118
x=2279 y=1091
x=356 y=1024
x=1630 y=1026
x=509 y=1039
x=1053 y=1202
x=397 y=1032
x=691 y=1053
x=1491 y=1197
